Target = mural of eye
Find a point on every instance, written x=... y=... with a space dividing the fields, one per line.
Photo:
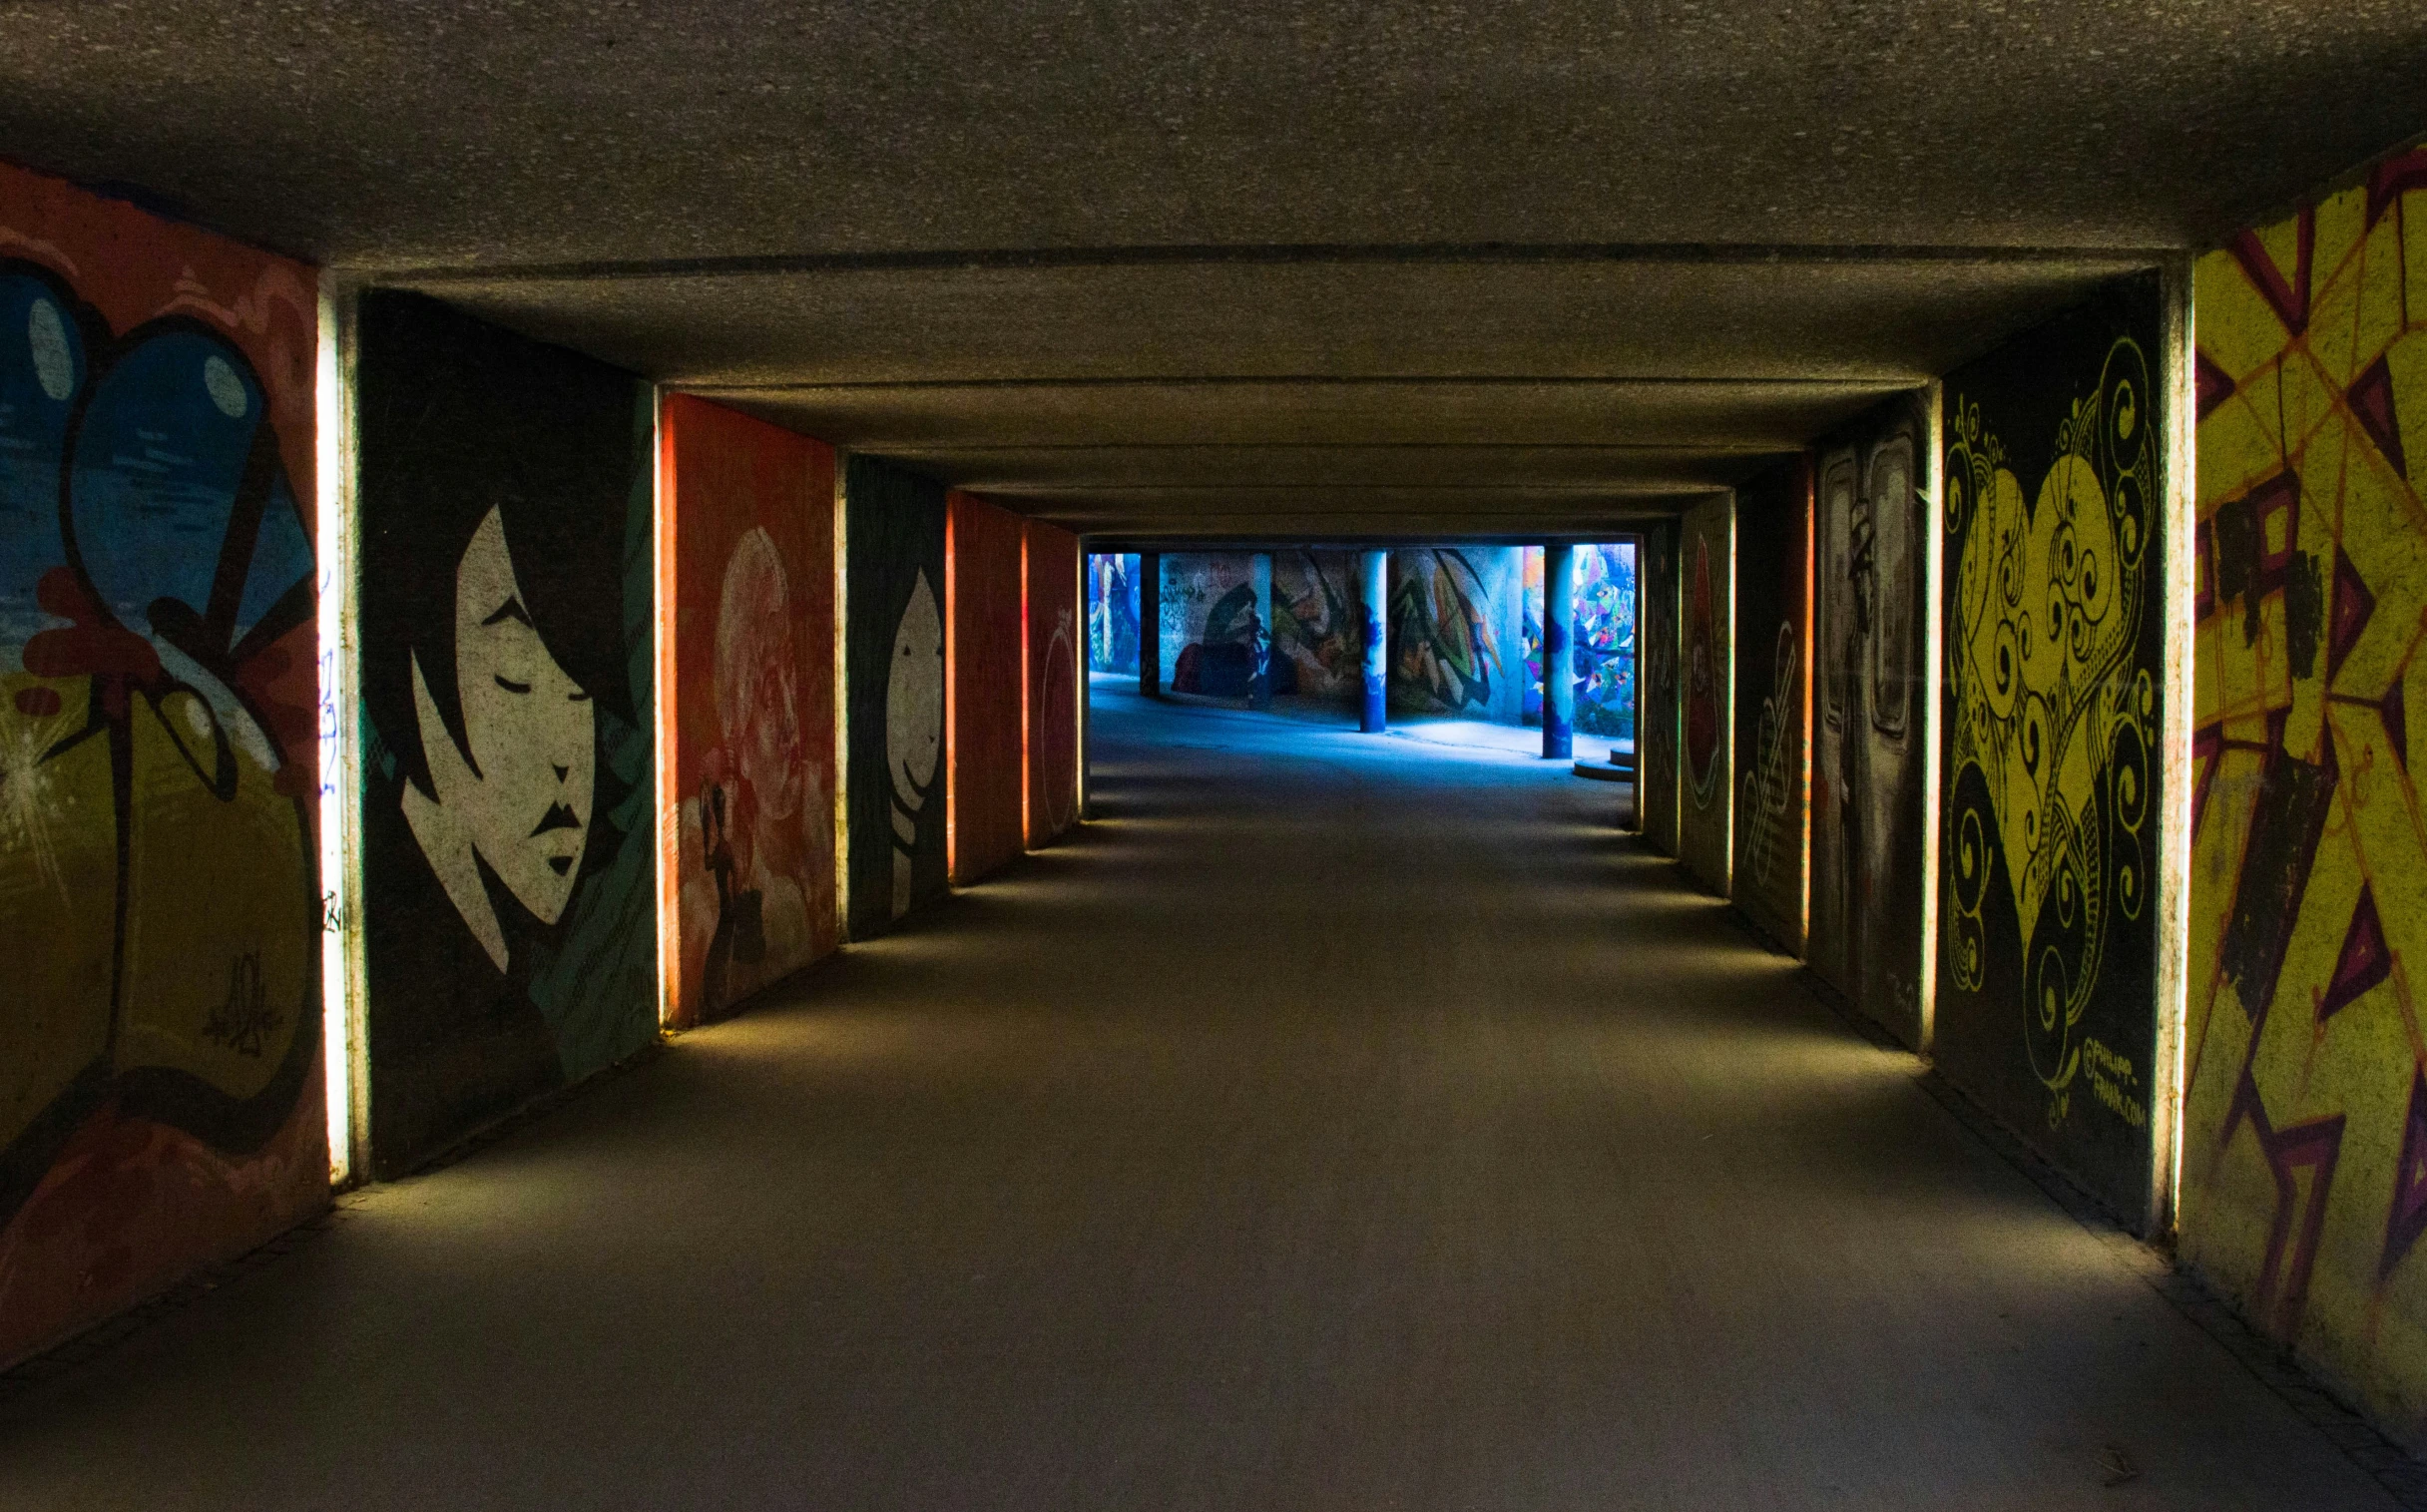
x=54 y=361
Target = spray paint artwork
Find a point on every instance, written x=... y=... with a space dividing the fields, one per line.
x=1605 y=639
x=1456 y=629
x=1212 y=632
x=2053 y=504
x=1707 y=688
x=1112 y=611
x=507 y=676
x=1316 y=642
x=895 y=654
x=159 y=1037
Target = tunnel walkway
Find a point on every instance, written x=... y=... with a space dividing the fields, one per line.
x=1337 y=1122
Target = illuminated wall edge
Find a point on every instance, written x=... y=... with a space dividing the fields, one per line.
x=344 y=1065
x=843 y=699
x=2174 y=775
x=1933 y=673
x=668 y=832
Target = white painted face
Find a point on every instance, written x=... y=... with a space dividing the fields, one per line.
x=524 y=800
x=914 y=699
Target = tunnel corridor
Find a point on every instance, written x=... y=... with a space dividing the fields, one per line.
x=1339 y=1122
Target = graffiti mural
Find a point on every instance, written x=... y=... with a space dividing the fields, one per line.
x=1773 y=571
x=160 y=1101
x=1316 y=642
x=1874 y=501
x=1053 y=633
x=1456 y=632
x=985 y=759
x=1605 y=639
x=1213 y=637
x=1705 y=687
x=751 y=704
x=894 y=654
x=508 y=659
x=1657 y=717
x=2304 y=1138
x=2054 y=500
x=1112 y=611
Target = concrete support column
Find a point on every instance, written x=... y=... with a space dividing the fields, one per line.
x=1373 y=593
x=1558 y=652
x=1150 y=624
x=1260 y=679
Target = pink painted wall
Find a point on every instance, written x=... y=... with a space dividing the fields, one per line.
x=1055 y=646
x=982 y=574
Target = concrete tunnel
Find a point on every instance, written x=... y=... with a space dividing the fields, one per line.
x=1117 y=755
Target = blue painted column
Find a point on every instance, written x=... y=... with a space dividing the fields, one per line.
x=1260 y=679
x=1374 y=592
x=1150 y=624
x=1558 y=652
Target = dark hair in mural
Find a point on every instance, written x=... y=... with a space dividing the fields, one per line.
x=894 y=653
x=507 y=619
x=156 y=756
x=2052 y=481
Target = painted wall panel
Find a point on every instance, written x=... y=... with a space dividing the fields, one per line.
x=1659 y=793
x=1317 y=634
x=894 y=656
x=1706 y=688
x=1604 y=641
x=2054 y=517
x=161 y=1102
x=508 y=665
x=2304 y=1134
x=1875 y=492
x=1112 y=611
x=985 y=756
x=751 y=704
x=1772 y=705
x=1208 y=623
x=1053 y=681
x=1457 y=632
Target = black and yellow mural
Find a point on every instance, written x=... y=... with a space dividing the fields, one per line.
x=2053 y=509
x=508 y=615
x=893 y=628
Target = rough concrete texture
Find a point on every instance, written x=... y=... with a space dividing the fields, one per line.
x=1338 y=1122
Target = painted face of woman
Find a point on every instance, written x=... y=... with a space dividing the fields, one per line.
x=523 y=799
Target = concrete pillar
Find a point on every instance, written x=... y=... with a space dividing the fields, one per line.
x=1260 y=679
x=1374 y=592
x=1150 y=624
x=1558 y=652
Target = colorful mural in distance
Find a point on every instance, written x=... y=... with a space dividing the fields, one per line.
x=895 y=665
x=1773 y=576
x=1875 y=502
x=160 y=1081
x=1658 y=715
x=1316 y=642
x=1605 y=639
x=751 y=702
x=1705 y=686
x=1456 y=618
x=508 y=671
x=1052 y=726
x=1213 y=637
x=1112 y=611
x=2054 y=507
x=2304 y=1139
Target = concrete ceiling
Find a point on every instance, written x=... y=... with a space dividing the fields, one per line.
x=1262 y=269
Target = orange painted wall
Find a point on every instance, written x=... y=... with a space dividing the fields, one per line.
x=160 y=1089
x=1055 y=644
x=751 y=703
x=983 y=584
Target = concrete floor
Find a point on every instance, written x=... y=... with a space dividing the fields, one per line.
x=1337 y=1124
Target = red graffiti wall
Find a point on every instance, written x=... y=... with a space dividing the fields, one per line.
x=1055 y=644
x=982 y=574
x=160 y=1088
x=751 y=704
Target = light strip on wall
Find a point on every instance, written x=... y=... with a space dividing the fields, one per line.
x=334 y=618
x=661 y=744
x=1930 y=483
x=842 y=701
x=2174 y=775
